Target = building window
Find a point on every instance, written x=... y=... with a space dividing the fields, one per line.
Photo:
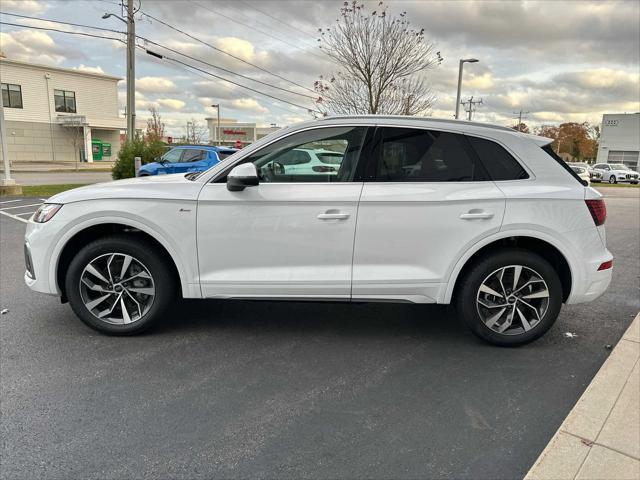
x=630 y=159
x=65 y=101
x=11 y=95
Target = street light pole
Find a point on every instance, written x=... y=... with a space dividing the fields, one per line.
x=217 y=107
x=462 y=61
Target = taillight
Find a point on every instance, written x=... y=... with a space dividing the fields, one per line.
x=598 y=210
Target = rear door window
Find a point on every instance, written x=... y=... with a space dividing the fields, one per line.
x=499 y=163
x=417 y=155
x=193 y=155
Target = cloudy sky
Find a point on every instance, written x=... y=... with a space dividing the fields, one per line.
x=559 y=60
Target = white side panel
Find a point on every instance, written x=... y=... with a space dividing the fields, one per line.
x=268 y=241
x=409 y=233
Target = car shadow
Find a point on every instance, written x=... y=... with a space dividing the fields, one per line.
x=292 y=318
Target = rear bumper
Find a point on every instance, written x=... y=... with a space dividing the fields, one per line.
x=594 y=283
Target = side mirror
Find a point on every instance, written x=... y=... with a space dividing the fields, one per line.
x=241 y=177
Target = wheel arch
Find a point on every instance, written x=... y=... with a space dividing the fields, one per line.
x=541 y=244
x=81 y=234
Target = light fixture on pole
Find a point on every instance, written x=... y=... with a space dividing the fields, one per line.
x=462 y=61
x=131 y=60
x=217 y=107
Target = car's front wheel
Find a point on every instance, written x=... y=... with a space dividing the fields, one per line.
x=120 y=285
x=612 y=179
x=510 y=298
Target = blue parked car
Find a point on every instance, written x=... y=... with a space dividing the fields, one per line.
x=186 y=158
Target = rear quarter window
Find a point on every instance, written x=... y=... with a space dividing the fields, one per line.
x=497 y=161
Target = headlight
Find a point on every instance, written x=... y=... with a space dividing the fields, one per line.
x=45 y=212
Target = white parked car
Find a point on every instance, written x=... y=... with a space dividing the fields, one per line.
x=310 y=161
x=616 y=172
x=582 y=172
x=420 y=210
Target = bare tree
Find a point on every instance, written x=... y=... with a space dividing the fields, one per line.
x=75 y=126
x=384 y=62
x=195 y=131
x=155 y=125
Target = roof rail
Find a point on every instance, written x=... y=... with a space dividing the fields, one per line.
x=427 y=119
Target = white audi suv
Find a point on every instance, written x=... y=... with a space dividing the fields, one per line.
x=417 y=210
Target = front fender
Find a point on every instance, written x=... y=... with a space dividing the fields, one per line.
x=188 y=277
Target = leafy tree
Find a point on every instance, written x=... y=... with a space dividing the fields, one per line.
x=383 y=61
x=124 y=166
x=580 y=140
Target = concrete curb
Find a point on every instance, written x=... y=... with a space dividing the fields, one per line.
x=600 y=438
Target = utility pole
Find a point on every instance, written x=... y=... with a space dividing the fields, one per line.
x=472 y=106
x=520 y=114
x=130 y=111
x=131 y=72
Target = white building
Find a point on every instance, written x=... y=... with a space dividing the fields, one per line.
x=620 y=139
x=54 y=114
x=230 y=131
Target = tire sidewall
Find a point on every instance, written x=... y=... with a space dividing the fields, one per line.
x=146 y=253
x=466 y=296
x=612 y=179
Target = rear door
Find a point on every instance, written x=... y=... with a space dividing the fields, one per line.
x=193 y=160
x=426 y=199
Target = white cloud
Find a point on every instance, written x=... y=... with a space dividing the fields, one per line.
x=24 y=6
x=30 y=46
x=171 y=103
x=156 y=85
x=248 y=104
x=87 y=68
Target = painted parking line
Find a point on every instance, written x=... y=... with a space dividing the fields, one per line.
x=15 y=217
x=12 y=205
x=21 y=206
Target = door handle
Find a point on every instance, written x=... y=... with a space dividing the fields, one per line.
x=476 y=215
x=333 y=215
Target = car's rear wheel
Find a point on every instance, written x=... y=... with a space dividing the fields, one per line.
x=510 y=298
x=612 y=179
x=119 y=285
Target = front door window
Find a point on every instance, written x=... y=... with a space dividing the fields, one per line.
x=316 y=155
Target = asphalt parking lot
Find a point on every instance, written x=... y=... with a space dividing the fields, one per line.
x=292 y=390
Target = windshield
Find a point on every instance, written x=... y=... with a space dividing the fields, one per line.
x=618 y=166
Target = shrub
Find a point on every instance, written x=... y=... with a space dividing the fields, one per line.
x=124 y=166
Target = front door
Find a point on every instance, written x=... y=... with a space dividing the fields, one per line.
x=426 y=199
x=292 y=235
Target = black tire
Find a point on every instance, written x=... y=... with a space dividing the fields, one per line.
x=467 y=292
x=612 y=179
x=153 y=259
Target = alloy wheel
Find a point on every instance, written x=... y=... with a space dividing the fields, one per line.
x=512 y=300
x=117 y=288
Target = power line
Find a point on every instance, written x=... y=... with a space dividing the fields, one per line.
x=175 y=60
x=60 y=22
x=255 y=29
x=226 y=70
x=167 y=48
x=276 y=19
x=226 y=53
x=63 y=31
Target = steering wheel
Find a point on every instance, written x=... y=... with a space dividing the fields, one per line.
x=272 y=170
